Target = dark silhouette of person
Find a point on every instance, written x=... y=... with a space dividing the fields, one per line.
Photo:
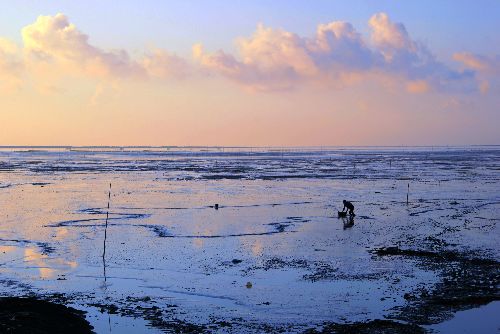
x=348 y=206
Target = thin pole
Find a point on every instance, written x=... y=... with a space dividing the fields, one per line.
x=106 y=226
x=407 y=193
x=104 y=253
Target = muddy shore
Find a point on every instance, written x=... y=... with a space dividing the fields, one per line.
x=466 y=281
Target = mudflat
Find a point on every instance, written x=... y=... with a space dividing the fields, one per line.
x=274 y=255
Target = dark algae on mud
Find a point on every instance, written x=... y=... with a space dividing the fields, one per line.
x=34 y=316
x=466 y=281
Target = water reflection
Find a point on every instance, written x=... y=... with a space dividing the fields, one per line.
x=348 y=222
x=61 y=233
x=198 y=243
x=47 y=267
x=7 y=249
x=33 y=256
x=257 y=248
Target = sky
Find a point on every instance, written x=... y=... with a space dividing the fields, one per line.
x=250 y=73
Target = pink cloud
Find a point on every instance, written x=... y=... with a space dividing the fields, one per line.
x=162 y=64
x=471 y=61
x=337 y=55
x=488 y=69
x=489 y=65
x=417 y=87
x=390 y=36
x=274 y=59
x=55 y=40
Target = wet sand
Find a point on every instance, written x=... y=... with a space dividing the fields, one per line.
x=273 y=257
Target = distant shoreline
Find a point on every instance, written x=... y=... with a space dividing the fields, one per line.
x=224 y=149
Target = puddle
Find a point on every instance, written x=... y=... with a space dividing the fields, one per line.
x=481 y=320
x=113 y=323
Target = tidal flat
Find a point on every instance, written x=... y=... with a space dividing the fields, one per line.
x=421 y=254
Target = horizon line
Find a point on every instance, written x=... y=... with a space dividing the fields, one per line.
x=237 y=146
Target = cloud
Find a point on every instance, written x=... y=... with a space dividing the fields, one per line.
x=484 y=87
x=54 y=39
x=339 y=43
x=9 y=56
x=161 y=64
x=53 y=48
x=471 y=61
x=273 y=59
x=480 y=63
x=389 y=36
x=488 y=69
x=417 y=86
x=412 y=60
x=11 y=65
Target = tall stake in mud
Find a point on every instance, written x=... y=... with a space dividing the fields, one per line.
x=106 y=226
x=104 y=254
x=408 y=193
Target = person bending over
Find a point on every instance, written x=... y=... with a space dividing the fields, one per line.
x=348 y=206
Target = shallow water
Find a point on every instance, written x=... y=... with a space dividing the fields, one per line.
x=482 y=320
x=167 y=246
